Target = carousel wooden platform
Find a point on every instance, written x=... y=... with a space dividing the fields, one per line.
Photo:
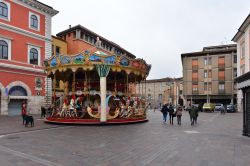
x=93 y=121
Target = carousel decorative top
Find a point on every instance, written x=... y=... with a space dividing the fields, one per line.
x=87 y=61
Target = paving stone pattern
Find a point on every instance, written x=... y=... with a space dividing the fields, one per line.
x=215 y=141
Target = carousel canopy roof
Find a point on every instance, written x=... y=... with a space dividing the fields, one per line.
x=87 y=61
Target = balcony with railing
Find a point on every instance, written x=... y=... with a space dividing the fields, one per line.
x=195 y=92
x=195 y=67
x=221 y=78
x=221 y=91
x=195 y=79
x=221 y=65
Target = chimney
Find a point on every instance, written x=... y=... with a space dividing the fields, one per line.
x=69 y=26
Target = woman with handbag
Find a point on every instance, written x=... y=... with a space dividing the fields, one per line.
x=179 y=114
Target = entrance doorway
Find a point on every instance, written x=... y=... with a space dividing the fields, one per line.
x=17 y=95
x=246 y=112
x=15 y=107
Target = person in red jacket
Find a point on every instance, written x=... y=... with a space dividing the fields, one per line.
x=24 y=111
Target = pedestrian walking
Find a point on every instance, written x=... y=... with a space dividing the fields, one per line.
x=179 y=114
x=171 y=114
x=222 y=110
x=49 y=110
x=43 y=112
x=193 y=115
x=197 y=114
x=164 y=111
x=189 y=110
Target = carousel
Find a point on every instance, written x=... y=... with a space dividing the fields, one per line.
x=96 y=88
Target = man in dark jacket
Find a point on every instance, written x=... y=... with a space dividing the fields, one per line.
x=171 y=114
x=164 y=111
x=193 y=115
x=43 y=112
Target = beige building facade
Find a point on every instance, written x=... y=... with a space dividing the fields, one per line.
x=161 y=91
x=242 y=39
x=208 y=75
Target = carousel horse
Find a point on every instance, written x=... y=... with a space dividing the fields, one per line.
x=89 y=110
x=140 y=112
x=129 y=112
x=117 y=111
x=83 y=112
x=98 y=115
x=123 y=111
x=135 y=107
x=71 y=110
x=64 y=110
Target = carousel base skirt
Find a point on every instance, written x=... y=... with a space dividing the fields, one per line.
x=93 y=121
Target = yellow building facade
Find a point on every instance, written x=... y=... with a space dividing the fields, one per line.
x=59 y=46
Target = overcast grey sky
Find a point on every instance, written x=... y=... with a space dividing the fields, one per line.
x=156 y=30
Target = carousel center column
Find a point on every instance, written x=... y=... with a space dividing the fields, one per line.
x=103 y=71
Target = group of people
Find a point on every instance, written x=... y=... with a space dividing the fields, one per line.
x=168 y=109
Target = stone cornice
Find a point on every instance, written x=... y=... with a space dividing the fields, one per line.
x=40 y=6
x=11 y=66
x=23 y=32
x=242 y=29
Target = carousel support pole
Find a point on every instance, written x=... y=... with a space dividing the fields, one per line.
x=74 y=83
x=142 y=89
x=127 y=85
x=88 y=88
x=135 y=86
x=115 y=84
x=103 y=71
x=103 y=84
x=124 y=85
x=145 y=92
x=139 y=88
x=54 y=90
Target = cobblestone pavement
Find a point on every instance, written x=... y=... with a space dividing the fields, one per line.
x=215 y=141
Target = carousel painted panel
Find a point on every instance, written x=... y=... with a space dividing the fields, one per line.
x=79 y=59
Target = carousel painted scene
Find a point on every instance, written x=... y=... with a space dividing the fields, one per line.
x=95 y=88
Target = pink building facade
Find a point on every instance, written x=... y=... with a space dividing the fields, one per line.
x=25 y=41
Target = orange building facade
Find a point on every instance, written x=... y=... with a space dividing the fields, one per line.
x=25 y=41
x=79 y=39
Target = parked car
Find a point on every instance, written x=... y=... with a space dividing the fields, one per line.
x=195 y=105
x=208 y=107
x=231 y=108
x=218 y=106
